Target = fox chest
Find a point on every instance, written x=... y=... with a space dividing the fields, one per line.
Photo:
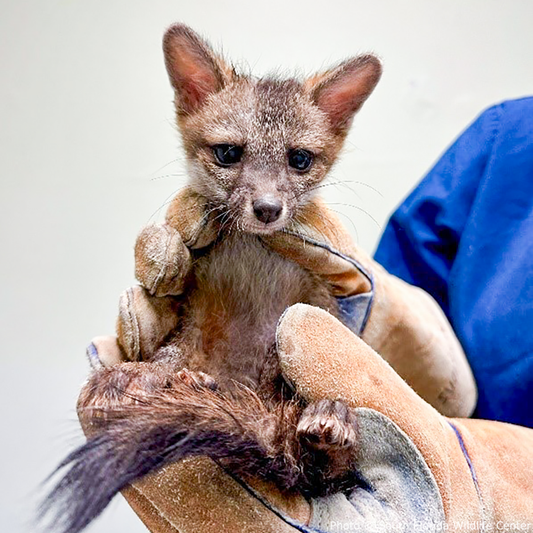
x=241 y=288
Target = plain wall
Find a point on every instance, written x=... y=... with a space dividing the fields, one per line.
x=89 y=154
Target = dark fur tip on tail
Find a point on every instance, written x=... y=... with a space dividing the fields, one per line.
x=141 y=438
x=88 y=485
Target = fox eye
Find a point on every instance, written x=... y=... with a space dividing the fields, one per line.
x=300 y=159
x=227 y=154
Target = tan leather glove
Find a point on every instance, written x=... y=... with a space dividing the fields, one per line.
x=401 y=322
x=162 y=263
x=387 y=309
x=483 y=470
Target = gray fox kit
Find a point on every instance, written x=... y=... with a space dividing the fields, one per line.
x=257 y=150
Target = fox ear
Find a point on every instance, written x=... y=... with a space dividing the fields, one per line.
x=195 y=71
x=341 y=92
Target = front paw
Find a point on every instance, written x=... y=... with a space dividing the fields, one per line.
x=327 y=425
x=162 y=261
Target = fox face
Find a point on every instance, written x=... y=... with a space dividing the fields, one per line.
x=258 y=148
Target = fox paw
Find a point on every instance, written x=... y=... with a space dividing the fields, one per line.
x=327 y=424
x=197 y=380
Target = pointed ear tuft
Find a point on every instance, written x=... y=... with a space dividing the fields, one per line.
x=195 y=71
x=341 y=92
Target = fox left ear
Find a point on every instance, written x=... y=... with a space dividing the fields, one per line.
x=195 y=71
x=341 y=92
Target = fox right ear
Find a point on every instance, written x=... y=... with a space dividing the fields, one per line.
x=195 y=71
x=341 y=92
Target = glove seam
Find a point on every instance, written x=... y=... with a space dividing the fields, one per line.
x=164 y=264
x=282 y=516
x=473 y=474
x=160 y=514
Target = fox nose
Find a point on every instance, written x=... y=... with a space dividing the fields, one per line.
x=267 y=209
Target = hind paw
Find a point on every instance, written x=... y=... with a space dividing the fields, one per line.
x=327 y=425
x=197 y=380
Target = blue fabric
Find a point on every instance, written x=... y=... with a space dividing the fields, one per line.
x=465 y=235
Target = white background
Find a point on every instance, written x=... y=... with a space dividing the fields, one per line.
x=88 y=155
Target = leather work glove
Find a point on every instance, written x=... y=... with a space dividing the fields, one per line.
x=401 y=322
x=476 y=475
x=417 y=470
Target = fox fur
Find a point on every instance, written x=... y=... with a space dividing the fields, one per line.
x=213 y=386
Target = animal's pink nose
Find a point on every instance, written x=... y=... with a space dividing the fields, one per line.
x=267 y=209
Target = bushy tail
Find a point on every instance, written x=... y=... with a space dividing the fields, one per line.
x=134 y=440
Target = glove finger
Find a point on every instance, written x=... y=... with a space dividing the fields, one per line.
x=143 y=322
x=188 y=214
x=468 y=458
x=162 y=261
x=403 y=323
x=104 y=351
x=354 y=373
x=318 y=242
x=410 y=331
x=197 y=495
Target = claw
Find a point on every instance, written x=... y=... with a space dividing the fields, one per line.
x=197 y=380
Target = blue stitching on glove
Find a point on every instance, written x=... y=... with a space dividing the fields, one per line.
x=94 y=358
x=282 y=516
x=472 y=472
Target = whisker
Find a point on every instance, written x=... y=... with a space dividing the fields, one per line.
x=363 y=184
x=166 y=165
x=300 y=218
x=349 y=220
x=299 y=194
x=174 y=174
x=337 y=182
x=359 y=209
x=166 y=202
